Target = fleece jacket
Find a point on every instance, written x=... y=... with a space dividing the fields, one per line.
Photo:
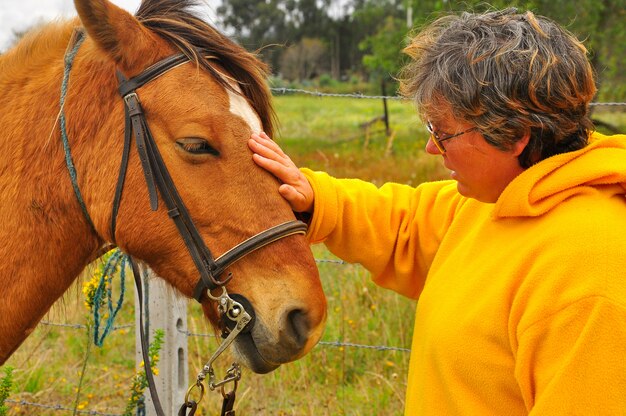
x=521 y=303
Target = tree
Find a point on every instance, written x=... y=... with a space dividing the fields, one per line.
x=383 y=57
x=304 y=60
x=367 y=36
x=257 y=24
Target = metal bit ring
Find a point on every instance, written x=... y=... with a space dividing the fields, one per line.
x=200 y=386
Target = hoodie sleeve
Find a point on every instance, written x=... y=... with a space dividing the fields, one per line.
x=394 y=231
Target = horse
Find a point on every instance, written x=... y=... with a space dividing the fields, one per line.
x=200 y=112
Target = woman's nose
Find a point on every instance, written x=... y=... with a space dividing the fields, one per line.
x=431 y=148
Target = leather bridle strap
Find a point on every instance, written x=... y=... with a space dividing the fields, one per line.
x=157 y=176
x=145 y=347
x=248 y=246
x=150 y=73
x=155 y=171
x=126 y=86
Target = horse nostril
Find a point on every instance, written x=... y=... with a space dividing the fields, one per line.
x=299 y=326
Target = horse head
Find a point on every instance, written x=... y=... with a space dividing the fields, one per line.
x=200 y=114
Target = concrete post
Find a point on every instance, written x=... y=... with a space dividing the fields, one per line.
x=165 y=310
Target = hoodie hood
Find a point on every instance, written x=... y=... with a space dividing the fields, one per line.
x=601 y=164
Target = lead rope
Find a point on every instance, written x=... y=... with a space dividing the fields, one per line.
x=228 y=308
x=235 y=312
x=75 y=41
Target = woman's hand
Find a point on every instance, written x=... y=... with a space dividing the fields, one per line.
x=295 y=188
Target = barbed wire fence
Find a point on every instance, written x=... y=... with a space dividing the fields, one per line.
x=317 y=93
x=188 y=334
x=54 y=407
x=387 y=130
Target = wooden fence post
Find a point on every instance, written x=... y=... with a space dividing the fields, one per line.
x=165 y=310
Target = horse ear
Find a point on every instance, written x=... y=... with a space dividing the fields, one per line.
x=115 y=31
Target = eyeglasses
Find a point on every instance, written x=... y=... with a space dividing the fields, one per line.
x=438 y=140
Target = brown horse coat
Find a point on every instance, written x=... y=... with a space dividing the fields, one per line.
x=47 y=239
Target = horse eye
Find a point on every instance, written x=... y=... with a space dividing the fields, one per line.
x=196 y=146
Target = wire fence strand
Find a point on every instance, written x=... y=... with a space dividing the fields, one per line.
x=315 y=93
x=59 y=407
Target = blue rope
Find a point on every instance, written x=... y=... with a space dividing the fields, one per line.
x=69 y=59
x=118 y=259
x=141 y=406
x=105 y=291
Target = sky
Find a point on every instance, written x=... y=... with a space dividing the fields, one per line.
x=19 y=15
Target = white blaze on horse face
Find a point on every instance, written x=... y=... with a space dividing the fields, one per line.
x=240 y=106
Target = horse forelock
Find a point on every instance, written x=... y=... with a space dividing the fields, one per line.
x=175 y=21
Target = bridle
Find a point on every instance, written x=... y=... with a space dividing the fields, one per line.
x=157 y=176
x=209 y=268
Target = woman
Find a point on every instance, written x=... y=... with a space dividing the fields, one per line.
x=519 y=261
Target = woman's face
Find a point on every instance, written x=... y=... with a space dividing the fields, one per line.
x=481 y=170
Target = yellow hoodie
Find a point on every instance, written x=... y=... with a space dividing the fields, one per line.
x=522 y=303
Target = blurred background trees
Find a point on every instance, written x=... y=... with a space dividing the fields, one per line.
x=343 y=40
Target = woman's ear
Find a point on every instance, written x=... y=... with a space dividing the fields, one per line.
x=519 y=146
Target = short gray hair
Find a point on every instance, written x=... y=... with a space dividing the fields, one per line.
x=507 y=73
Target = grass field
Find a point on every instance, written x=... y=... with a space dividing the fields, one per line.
x=331 y=380
x=321 y=133
x=326 y=133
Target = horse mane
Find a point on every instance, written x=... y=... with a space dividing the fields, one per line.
x=39 y=44
x=174 y=21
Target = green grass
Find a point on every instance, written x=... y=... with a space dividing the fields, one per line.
x=321 y=133
x=328 y=134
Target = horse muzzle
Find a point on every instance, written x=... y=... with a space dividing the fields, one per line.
x=264 y=347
